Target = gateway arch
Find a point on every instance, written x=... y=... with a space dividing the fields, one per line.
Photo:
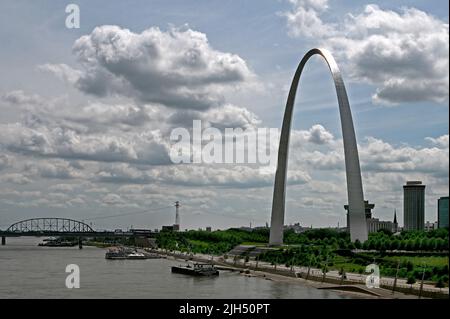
x=357 y=219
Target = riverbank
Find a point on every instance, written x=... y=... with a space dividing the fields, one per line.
x=287 y=276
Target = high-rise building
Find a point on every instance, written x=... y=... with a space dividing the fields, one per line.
x=443 y=212
x=413 y=205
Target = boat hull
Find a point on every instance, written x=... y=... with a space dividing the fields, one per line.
x=193 y=272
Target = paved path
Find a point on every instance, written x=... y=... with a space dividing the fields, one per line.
x=389 y=281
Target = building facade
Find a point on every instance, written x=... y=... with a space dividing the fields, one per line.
x=367 y=211
x=429 y=226
x=413 y=205
x=374 y=224
x=443 y=212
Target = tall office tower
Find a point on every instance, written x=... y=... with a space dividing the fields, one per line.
x=443 y=212
x=413 y=205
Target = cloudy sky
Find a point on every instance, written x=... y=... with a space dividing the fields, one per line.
x=86 y=113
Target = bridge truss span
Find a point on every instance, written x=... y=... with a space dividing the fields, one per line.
x=61 y=225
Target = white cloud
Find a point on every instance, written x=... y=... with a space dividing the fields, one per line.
x=62 y=71
x=304 y=19
x=230 y=176
x=5 y=161
x=58 y=142
x=404 y=54
x=113 y=200
x=54 y=169
x=177 y=68
x=317 y=134
x=15 y=178
x=441 y=141
x=19 y=97
x=65 y=188
x=121 y=174
x=376 y=156
x=380 y=156
x=231 y=116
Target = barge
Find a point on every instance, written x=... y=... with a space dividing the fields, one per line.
x=196 y=269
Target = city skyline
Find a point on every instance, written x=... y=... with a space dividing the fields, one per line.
x=86 y=115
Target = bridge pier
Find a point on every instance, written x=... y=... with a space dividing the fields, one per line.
x=3 y=240
x=80 y=243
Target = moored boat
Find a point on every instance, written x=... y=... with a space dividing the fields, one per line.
x=57 y=243
x=196 y=269
x=115 y=253
x=136 y=255
x=119 y=252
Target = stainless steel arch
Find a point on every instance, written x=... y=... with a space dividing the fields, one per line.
x=358 y=226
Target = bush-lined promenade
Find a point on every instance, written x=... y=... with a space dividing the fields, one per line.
x=411 y=256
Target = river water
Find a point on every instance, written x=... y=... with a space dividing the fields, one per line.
x=29 y=271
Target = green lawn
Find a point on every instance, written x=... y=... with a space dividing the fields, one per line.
x=420 y=260
x=343 y=262
x=417 y=261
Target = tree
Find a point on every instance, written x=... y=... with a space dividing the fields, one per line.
x=365 y=246
x=442 y=244
x=410 y=245
x=409 y=266
x=396 y=244
x=357 y=244
x=437 y=244
x=433 y=244
x=427 y=244
x=440 y=283
x=416 y=244
x=411 y=280
x=402 y=245
x=385 y=231
x=445 y=244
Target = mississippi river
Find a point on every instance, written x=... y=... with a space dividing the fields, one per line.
x=29 y=271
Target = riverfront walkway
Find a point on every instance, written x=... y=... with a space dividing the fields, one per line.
x=331 y=278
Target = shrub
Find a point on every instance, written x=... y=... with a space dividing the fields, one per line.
x=411 y=280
